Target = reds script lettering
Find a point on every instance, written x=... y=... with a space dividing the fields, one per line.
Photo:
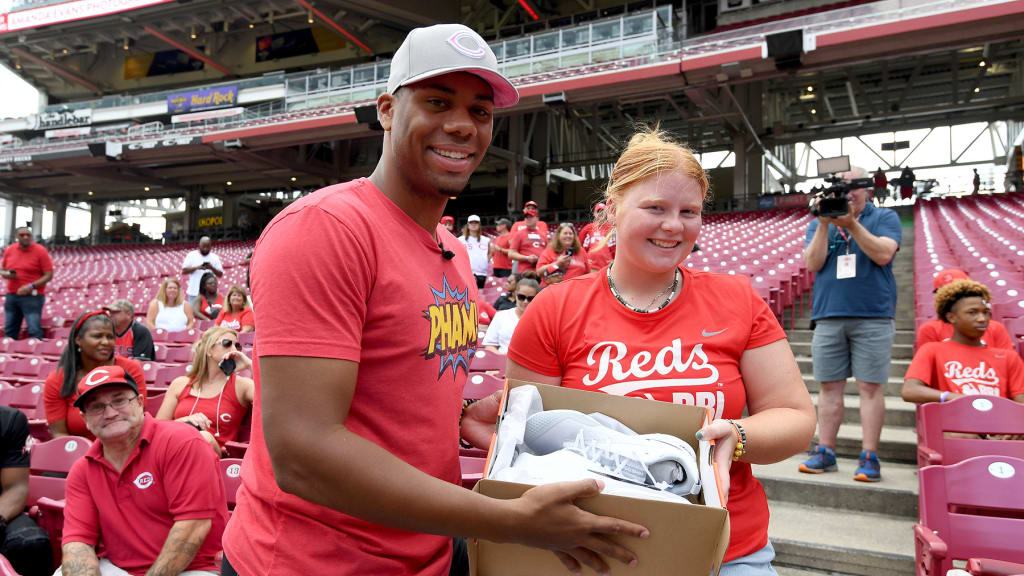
x=980 y=379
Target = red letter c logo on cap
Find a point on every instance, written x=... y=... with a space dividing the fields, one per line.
x=97 y=377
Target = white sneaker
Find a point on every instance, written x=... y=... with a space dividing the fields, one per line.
x=659 y=460
x=569 y=466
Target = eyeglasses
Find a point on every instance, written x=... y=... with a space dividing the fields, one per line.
x=525 y=298
x=229 y=343
x=97 y=408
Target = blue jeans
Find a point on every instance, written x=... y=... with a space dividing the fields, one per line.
x=757 y=563
x=29 y=308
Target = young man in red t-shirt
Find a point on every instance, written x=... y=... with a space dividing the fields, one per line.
x=936 y=330
x=353 y=466
x=27 y=267
x=528 y=244
x=501 y=264
x=964 y=364
x=523 y=224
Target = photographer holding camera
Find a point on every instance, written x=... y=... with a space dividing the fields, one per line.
x=852 y=314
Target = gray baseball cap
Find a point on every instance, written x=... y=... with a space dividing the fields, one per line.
x=446 y=48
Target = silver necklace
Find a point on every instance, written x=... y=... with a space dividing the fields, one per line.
x=671 y=289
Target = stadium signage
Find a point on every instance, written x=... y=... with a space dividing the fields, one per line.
x=68 y=12
x=211 y=221
x=15 y=158
x=202 y=99
x=68 y=132
x=161 y=143
x=209 y=115
x=63 y=119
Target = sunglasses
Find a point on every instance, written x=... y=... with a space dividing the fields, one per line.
x=229 y=343
x=524 y=298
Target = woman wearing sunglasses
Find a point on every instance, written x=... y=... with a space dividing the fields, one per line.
x=564 y=256
x=211 y=396
x=499 y=332
x=90 y=345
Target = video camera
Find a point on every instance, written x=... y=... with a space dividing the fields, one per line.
x=832 y=201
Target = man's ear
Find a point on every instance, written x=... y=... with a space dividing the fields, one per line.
x=386 y=110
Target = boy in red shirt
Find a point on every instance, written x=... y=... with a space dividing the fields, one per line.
x=500 y=262
x=964 y=364
x=27 y=267
x=935 y=330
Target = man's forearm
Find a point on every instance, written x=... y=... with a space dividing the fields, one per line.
x=817 y=250
x=879 y=249
x=12 y=501
x=188 y=270
x=180 y=547
x=79 y=559
x=44 y=280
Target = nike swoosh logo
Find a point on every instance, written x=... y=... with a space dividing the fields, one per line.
x=707 y=334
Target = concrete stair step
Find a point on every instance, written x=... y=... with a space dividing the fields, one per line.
x=897 y=368
x=899 y=351
x=898 y=444
x=892 y=387
x=803 y=334
x=849 y=543
x=897 y=411
x=895 y=495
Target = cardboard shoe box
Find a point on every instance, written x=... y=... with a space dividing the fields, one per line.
x=685 y=539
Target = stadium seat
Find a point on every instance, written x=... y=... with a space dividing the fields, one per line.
x=972 y=509
x=989 y=567
x=51 y=349
x=150 y=370
x=231 y=470
x=178 y=354
x=24 y=398
x=488 y=361
x=472 y=470
x=183 y=336
x=25 y=347
x=51 y=462
x=49 y=515
x=479 y=385
x=153 y=403
x=970 y=415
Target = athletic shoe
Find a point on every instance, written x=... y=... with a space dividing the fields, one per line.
x=823 y=459
x=658 y=460
x=868 y=470
x=569 y=466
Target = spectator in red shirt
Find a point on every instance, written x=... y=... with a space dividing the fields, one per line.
x=132 y=339
x=208 y=303
x=148 y=489
x=27 y=267
x=349 y=473
x=213 y=399
x=449 y=223
x=90 y=345
x=528 y=244
x=500 y=262
x=937 y=330
x=237 y=314
x=648 y=328
x=523 y=224
x=964 y=364
x=564 y=256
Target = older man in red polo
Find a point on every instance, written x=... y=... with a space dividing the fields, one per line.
x=149 y=490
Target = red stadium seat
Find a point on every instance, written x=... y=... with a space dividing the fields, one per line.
x=970 y=415
x=231 y=470
x=51 y=462
x=49 y=514
x=971 y=509
x=52 y=348
x=488 y=361
x=472 y=470
x=24 y=398
x=184 y=336
x=153 y=403
x=178 y=354
x=989 y=567
x=25 y=347
x=479 y=385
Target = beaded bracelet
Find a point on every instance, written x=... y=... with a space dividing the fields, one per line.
x=741 y=440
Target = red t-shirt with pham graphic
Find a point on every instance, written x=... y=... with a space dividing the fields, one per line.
x=408 y=316
x=687 y=353
x=962 y=369
x=529 y=243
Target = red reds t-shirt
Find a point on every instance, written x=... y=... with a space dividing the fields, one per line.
x=58 y=408
x=501 y=260
x=529 y=243
x=172 y=475
x=541 y=225
x=408 y=316
x=936 y=330
x=29 y=263
x=687 y=353
x=125 y=343
x=237 y=320
x=579 y=264
x=961 y=369
x=224 y=410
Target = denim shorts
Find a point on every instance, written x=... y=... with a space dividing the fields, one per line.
x=858 y=347
x=755 y=564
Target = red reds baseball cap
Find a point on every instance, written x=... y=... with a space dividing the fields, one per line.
x=100 y=377
x=946 y=276
x=530 y=211
x=599 y=207
x=447 y=220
